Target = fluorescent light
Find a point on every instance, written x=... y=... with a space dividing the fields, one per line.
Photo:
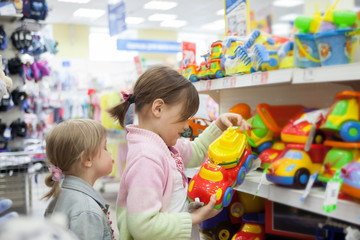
x=220 y=12
x=75 y=1
x=162 y=17
x=288 y=3
x=216 y=25
x=88 y=13
x=289 y=17
x=134 y=20
x=160 y=5
x=173 y=23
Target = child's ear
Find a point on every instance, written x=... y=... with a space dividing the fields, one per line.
x=157 y=107
x=86 y=161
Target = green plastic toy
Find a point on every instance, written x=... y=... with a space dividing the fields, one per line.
x=303 y=23
x=344 y=18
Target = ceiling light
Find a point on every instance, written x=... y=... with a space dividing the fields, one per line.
x=289 y=17
x=216 y=25
x=220 y=12
x=75 y=1
x=288 y=3
x=173 y=23
x=162 y=17
x=134 y=20
x=88 y=13
x=160 y=5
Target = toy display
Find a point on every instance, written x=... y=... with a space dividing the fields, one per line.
x=191 y=72
x=268 y=122
x=229 y=158
x=294 y=166
x=253 y=227
x=343 y=118
x=243 y=109
x=271 y=154
x=196 y=126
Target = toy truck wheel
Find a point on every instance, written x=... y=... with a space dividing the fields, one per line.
x=194 y=78
x=219 y=74
x=241 y=175
x=227 y=197
x=264 y=146
x=187 y=133
x=350 y=131
x=301 y=178
x=248 y=162
x=222 y=231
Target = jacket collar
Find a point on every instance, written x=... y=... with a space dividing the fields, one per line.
x=77 y=184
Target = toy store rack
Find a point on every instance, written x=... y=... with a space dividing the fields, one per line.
x=346 y=210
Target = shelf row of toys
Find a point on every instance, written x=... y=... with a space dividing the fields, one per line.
x=294 y=144
x=316 y=44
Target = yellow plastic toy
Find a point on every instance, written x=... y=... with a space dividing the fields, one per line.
x=226 y=151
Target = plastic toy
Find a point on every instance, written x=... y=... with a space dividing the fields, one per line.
x=216 y=51
x=202 y=71
x=294 y=166
x=196 y=126
x=344 y=18
x=274 y=60
x=343 y=117
x=351 y=179
x=239 y=63
x=298 y=130
x=229 y=158
x=268 y=123
x=191 y=72
x=286 y=55
x=270 y=155
x=214 y=69
x=335 y=159
x=243 y=109
x=260 y=57
x=253 y=227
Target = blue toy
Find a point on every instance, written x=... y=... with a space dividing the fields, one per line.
x=260 y=56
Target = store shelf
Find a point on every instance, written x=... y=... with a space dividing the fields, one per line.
x=346 y=210
x=339 y=73
x=247 y=80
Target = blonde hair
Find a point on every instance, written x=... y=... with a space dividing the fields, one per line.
x=163 y=82
x=69 y=142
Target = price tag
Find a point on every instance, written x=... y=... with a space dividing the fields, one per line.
x=202 y=85
x=332 y=192
x=259 y=78
x=309 y=75
x=233 y=82
x=208 y=85
x=263 y=176
x=226 y=83
x=308 y=186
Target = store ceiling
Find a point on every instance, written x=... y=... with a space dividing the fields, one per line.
x=196 y=13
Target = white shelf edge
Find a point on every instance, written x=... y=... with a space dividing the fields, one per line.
x=338 y=73
x=347 y=211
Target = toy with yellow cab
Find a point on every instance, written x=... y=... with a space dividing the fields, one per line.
x=191 y=72
x=229 y=158
x=343 y=119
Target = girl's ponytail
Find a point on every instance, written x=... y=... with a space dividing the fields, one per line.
x=54 y=185
x=119 y=112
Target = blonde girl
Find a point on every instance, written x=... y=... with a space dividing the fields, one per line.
x=76 y=150
x=152 y=202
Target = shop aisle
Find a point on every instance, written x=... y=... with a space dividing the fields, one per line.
x=39 y=189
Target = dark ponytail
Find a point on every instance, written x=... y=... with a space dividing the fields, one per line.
x=119 y=112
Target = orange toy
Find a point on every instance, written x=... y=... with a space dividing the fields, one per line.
x=243 y=109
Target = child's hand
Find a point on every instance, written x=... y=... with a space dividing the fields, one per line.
x=226 y=120
x=205 y=212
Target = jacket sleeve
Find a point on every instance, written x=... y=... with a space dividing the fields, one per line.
x=193 y=152
x=145 y=184
x=87 y=226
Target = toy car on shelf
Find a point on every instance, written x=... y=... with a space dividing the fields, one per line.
x=270 y=155
x=191 y=72
x=214 y=69
x=343 y=117
x=216 y=50
x=294 y=166
x=253 y=228
x=229 y=158
x=196 y=126
x=268 y=123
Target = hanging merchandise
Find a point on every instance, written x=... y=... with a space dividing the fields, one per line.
x=3 y=140
x=22 y=39
x=3 y=39
x=18 y=97
x=35 y=9
x=5 y=82
x=15 y=65
x=18 y=129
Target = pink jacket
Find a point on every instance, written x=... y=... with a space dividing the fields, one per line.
x=147 y=184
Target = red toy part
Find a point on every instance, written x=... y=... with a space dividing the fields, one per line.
x=270 y=155
x=276 y=117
